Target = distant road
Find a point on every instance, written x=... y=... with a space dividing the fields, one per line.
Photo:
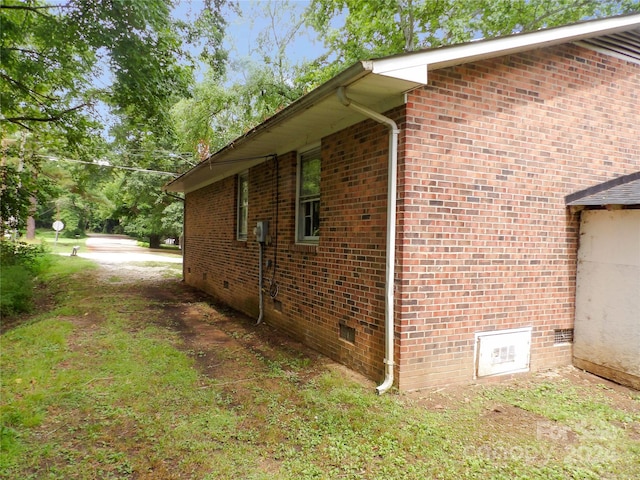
x=104 y=248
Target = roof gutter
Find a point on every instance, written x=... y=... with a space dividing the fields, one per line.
x=345 y=78
x=391 y=233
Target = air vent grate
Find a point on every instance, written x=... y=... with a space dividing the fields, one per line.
x=563 y=335
x=348 y=333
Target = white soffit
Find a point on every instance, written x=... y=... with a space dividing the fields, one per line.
x=304 y=122
x=625 y=45
x=401 y=69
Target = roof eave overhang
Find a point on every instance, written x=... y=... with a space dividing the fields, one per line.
x=304 y=122
x=621 y=191
x=378 y=84
x=438 y=58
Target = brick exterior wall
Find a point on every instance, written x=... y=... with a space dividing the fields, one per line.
x=339 y=281
x=491 y=150
x=487 y=153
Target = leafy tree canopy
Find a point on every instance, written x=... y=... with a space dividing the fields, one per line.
x=64 y=63
x=376 y=28
x=254 y=87
x=54 y=55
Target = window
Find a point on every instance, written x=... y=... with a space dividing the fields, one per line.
x=243 y=205
x=308 y=216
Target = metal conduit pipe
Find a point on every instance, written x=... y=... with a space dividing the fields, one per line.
x=260 y=280
x=391 y=233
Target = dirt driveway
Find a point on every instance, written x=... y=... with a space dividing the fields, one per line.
x=120 y=249
x=120 y=255
x=203 y=324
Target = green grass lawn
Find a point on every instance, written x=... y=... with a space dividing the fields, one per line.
x=109 y=381
x=61 y=245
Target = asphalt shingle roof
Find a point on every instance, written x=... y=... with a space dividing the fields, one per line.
x=619 y=191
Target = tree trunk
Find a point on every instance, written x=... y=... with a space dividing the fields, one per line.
x=154 y=241
x=31 y=221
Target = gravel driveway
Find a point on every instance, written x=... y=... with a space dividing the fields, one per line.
x=118 y=249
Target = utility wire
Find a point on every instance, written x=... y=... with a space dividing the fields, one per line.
x=135 y=169
x=206 y=161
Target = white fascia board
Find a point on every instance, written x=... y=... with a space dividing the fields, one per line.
x=403 y=68
x=414 y=66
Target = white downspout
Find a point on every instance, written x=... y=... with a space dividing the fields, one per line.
x=391 y=233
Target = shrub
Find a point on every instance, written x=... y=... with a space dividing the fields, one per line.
x=16 y=290
x=19 y=264
x=31 y=257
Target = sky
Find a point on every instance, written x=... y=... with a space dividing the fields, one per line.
x=244 y=27
x=255 y=18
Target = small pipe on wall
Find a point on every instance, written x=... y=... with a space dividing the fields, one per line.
x=261 y=232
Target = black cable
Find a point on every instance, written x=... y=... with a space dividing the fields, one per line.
x=174 y=196
x=274 y=285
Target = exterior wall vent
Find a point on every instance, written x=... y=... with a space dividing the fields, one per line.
x=502 y=352
x=277 y=305
x=348 y=333
x=562 y=336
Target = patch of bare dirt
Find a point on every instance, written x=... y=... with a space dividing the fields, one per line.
x=219 y=338
x=226 y=345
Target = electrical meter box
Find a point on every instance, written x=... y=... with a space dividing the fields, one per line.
x=261 y=231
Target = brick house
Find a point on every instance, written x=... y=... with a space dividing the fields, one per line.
x=415 y=226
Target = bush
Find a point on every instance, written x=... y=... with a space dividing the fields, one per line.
x=31 y=257
x=16 y=290
x=19 y=264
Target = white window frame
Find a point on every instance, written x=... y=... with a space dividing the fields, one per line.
x=300 y=211
x=242 y=208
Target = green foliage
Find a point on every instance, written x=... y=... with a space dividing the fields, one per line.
x=14 y=197
x=19 y=263
x=21 y=185
x=31 y=257
x=378 y=28
x=143 y=210
x=172 y=219
x=16 y=290
x=54 y=54
x=65 y=63
x=223 y=107
x=44 y=57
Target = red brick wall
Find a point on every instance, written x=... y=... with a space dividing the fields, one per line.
x=487 y=153
x=491 y=150
x=338 y=281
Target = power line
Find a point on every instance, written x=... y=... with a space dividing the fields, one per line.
x=121 y=167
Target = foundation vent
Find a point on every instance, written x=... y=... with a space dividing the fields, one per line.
x=562 y=336
x=502 y=352
x=348 y=333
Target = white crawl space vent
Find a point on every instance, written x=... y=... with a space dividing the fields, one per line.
x=501 y=352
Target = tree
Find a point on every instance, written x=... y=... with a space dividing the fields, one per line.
x=54 y=57
x=255 y=86
x=144 y=161
x=377 y=28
